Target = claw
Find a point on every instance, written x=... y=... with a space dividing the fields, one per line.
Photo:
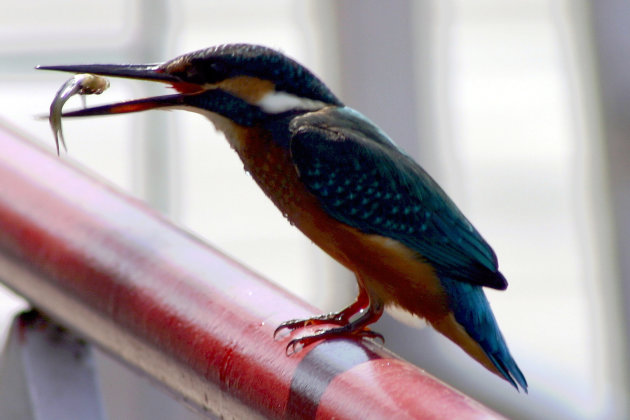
x=295 y=346
x=281 y=327
x=367 y=333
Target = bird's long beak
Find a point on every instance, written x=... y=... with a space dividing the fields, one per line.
x=150 y=72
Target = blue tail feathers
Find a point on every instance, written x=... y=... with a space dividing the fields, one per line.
x=472 y=310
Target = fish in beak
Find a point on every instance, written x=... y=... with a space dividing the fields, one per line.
x=89 y=80
x=150 y=72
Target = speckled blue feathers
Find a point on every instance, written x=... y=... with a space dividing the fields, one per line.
x=363 y=180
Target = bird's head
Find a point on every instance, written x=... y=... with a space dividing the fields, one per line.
x=241 y=82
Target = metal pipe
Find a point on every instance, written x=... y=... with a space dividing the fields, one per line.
x=129 y=281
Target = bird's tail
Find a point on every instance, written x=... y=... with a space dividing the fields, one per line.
x=472 y=326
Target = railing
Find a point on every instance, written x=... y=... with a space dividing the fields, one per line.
x=125 y=279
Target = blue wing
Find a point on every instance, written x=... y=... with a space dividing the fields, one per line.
x=362 y=179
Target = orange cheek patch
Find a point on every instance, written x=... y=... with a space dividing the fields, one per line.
x=250 y=89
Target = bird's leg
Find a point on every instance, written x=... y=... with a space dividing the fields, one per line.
x=357 y=327
x=339 y=318
x=370 y=311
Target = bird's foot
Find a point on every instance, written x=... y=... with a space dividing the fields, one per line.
x=338 y=318
x=345 y=331
x=350 y=322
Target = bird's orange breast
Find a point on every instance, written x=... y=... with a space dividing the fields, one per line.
x=389 y=270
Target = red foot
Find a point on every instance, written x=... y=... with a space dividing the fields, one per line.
x=337 y=318
x=298 y=344
x=371 y=312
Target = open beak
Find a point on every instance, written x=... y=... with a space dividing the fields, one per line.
x=151 y=72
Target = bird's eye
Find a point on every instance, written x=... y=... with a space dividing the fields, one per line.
x=214 y=71
x=218 y=67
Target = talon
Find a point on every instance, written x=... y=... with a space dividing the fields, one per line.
x=290 y=326
x=279 y=333
x=294 y=346
x=366 y=332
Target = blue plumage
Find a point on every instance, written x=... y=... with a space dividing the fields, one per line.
x=232 y=60
x=472 y=311
x=362 y=179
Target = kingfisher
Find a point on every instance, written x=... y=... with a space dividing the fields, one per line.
x=346 y=185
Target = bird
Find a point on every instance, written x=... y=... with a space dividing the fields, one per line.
x=346 y=185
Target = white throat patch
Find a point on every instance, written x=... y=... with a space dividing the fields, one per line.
x=279 y=102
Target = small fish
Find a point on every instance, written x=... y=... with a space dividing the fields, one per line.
x=82 y=84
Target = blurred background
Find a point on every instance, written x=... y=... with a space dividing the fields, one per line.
x=519 y=109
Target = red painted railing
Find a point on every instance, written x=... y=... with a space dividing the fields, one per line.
x=126 y=279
